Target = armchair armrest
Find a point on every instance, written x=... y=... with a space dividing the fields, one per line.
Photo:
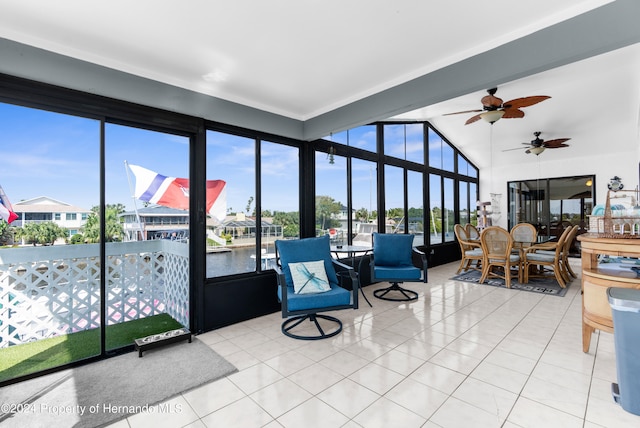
x=282 y=284
x=549 y=246
x=423 y=261
x=353 y=276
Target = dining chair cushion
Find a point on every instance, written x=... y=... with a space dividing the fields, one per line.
x=547 y=252
x=474 y=252
x=537 y=257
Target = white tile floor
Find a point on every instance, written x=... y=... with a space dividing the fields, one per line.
x=463 y=355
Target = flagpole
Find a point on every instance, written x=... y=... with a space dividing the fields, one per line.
x=135 y=205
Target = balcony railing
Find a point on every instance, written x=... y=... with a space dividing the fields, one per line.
x=48 y=291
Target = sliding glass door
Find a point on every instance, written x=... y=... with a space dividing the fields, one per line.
x=88 y=265
x=552 y=204
x=146 y=232
x=49 y=286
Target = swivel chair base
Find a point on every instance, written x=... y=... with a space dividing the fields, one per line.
x=407 y=295
x=293 y=322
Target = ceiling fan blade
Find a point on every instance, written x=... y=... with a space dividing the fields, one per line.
x=552 y=144
x=525 y=101
x=472 y=119
x=517 y=148
x=460 y=112
x=491 y=101
x=512 y=113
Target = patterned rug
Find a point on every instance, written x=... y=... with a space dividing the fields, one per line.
x=536 y=285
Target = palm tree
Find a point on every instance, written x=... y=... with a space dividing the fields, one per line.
x=113 y=232
x=41 y=233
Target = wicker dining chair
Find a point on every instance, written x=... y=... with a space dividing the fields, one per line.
x=565 y=268
x=472 y=232
x=546 y=256
x=524 y=235
x=470 y=251
x=498 y=259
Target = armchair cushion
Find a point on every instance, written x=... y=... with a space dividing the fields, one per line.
x=336 y=296
x=306 y=250
x=392 y=249
x=309 y=277
x=397 y=273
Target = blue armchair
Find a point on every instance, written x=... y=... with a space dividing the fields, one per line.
x=392 y=261
x=308 y=285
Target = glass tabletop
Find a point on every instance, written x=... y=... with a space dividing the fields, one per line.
x=350 y=248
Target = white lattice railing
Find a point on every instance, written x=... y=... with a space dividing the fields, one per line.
x=47 y=291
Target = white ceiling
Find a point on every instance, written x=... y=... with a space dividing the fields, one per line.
x=306 y=59
x=595 y=102
x=295 y=58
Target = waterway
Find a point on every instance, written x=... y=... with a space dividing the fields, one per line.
x=238 y=260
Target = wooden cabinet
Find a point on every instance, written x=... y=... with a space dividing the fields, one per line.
x=596 y=278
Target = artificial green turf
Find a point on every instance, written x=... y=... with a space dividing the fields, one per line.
x=44 y=354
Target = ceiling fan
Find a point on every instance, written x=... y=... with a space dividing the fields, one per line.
x=493 y=108
x=538 y=145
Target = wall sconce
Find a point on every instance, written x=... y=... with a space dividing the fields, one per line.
x=332 y=152
x=589 y=183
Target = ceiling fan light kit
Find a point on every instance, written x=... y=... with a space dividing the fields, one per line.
x=492 y=116
x=536 y=150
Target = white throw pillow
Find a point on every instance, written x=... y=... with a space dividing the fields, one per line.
x=309 y=277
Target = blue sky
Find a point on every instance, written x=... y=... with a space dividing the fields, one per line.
x=57 y=155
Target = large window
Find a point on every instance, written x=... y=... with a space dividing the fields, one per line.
x=280 y=196
x=441 y=154
x=364 y=186
x=404 y=141
x=362 y=137
x=465 y=168
x=448 y=211
x=395 y=220
x=243 y=241
x=463 y=211
x=415 y=198
x=453 y=187
x=231 y=240
x=435 y=205
x=332 y=216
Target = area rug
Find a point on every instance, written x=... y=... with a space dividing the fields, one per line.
x=535 y=285
x=103 y=392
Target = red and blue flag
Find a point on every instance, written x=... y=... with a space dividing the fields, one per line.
x=6 y=210
x=174 y=192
